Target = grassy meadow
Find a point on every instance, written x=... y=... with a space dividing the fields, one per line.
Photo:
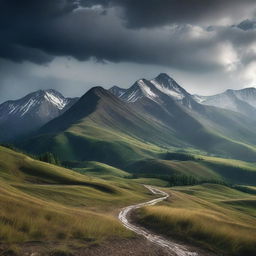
x=44 y=202
x=51 y=204
x=203 y=169
x=213 y=216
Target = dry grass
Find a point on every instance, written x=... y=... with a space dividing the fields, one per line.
x=43 y=202
x=210 y=222
x=25 y=219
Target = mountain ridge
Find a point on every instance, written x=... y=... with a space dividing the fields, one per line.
x=109 y=129
x=21 y=116
x=242 y=101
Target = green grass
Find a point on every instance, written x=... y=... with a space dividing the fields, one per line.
x=216 y=217
x=152 y=181
x=204 y=169
x=44 y=202
x=25 y=218
x=167 y=168
x=101 y=170
x=101 y=128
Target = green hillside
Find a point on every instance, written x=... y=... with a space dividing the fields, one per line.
x=101 y=170
x=60 y=207
x=112 y=133
x=209 y=129
x=203 y=168
x=100 y=127
x=47 y=203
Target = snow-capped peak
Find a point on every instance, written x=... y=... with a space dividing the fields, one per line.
x=56 y=99
x=32 y=102
x=247 y=94
x=32 y=111
x=153 y=89
x=147 y=91
x=168 y=86
x=242 y=101
x=141 y=88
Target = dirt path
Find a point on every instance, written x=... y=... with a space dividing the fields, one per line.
x=171 y=246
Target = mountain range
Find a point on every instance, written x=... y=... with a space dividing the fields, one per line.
x=19 y=117
x=241 y=101
x=118 y=126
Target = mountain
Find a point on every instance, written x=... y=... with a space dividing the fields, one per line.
x=101 y=127
x=18 y=117
x=117 y=91
x=144 y=122
x=205 y=127
x=155 y=89
x=150 y=89
x=241 y=101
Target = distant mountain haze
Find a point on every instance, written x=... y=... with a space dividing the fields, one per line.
x=242 y=101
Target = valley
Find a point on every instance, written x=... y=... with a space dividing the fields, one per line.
x=128 y=128
x=117 y=152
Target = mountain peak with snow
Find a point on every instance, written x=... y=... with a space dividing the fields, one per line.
x=141 y=88
x=33 y=110
x=152 y=89
x=163 y=76
x=34 y=100
x=242 y=101
x=169 y=86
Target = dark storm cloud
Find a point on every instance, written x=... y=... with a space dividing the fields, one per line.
x=247 y=24
x=152 y=13
x=21 y=23
x=39 y=30
x=18 y=53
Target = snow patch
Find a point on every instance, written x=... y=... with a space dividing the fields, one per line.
x=199 y=99
x=12 y=108
x=25 y=108
x=248 y=95
x=138 y=91
x=57 y=101
x=146 y=90
x=134 y=96
x=174 y=92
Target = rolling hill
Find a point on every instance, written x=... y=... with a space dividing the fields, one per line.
x=55 y=207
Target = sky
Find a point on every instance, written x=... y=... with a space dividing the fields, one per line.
x=207 y=46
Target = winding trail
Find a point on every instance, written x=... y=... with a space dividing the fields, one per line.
x=172 y=247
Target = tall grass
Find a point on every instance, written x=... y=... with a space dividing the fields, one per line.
x=26 y=221
x=44 y=202
x=216 y=217
x=202 y=227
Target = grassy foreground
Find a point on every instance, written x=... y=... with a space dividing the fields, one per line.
x=43 y=202
x=50 y=204
x=216 y=217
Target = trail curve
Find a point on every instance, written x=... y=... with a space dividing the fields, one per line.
x=172 y=247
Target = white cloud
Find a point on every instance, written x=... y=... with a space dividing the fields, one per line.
x=228 y=56
x=248 y=74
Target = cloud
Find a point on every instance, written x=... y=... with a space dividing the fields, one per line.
x=167 y=33
x=153 y=13
x=88 y=32
x=247 y=24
